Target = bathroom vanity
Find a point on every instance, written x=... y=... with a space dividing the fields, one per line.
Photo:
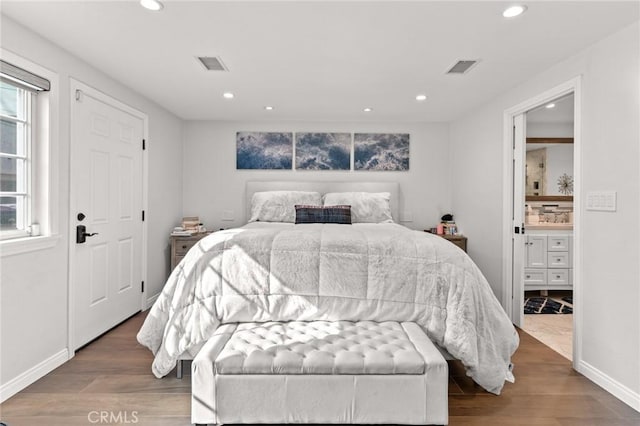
x=548 y=257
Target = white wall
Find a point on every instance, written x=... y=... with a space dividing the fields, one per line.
x=610 y=154
x=33 y=291
x=212 y=184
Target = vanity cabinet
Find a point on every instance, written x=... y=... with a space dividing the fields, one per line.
x=536 y=251
x=548 y=263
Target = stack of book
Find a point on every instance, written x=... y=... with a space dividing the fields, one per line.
x=190 y=225
x=179 y=231
x=450 y=227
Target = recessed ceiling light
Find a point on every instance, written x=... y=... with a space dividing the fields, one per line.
x=514 y=11
x=228 y=95
x=551 y=105
x=268 y=108
x=421 y=97
x=154 y=5
x=367 y=110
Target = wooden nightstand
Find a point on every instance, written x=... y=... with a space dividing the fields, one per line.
x=180 y=245
x=459 y=240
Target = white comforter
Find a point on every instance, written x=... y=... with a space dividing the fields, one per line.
x=376 y=272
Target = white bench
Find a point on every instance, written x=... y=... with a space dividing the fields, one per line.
x=320 y=372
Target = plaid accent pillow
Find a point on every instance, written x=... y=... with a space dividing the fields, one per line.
x=327 y=214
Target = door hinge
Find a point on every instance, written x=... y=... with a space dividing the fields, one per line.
x=142 y=287
x=143 y=215
x=78 y=94
x=144 y=144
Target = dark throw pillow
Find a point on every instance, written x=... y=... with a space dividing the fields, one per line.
x=326 y=214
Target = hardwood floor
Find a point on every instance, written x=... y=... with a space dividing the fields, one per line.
x=112 y=377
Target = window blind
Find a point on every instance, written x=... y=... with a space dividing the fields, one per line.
x=23 y=78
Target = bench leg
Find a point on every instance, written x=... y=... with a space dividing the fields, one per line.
x=179 y=369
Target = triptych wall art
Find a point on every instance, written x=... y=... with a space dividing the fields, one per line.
x=322 y=151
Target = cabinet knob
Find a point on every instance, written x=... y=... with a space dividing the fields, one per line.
x=528 y=276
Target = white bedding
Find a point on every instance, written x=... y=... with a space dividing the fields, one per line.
x=377 y=272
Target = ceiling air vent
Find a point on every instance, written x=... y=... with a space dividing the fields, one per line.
x=212 y=63
x=461 y=67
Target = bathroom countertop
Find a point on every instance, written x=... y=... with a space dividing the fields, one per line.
x=549 y=226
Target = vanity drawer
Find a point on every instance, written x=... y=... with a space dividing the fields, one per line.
x=558 y=259
x=558 y=277
x=535 y=276
x=558 y=243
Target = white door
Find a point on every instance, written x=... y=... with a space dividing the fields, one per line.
x=518 y=240
x=107 y=183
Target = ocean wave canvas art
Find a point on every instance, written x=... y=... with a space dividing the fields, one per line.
x=381 y=151
x=323 y=151
x=264 y=150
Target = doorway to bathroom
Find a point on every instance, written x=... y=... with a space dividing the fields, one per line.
x=548 y=205
x=541 y=232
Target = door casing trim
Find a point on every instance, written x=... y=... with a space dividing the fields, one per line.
x=574 y=86
x=103 y=97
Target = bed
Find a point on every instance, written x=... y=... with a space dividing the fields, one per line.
x=373 y=271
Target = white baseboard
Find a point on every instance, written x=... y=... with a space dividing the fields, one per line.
x=15 y=385
x=150 y=301
x=620 y=391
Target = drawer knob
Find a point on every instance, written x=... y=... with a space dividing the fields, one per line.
x=528 y=276
x=184 y=246
x=559 y=260
x=558 y=276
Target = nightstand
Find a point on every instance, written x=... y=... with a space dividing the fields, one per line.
x=180 y=245
x=459 y=240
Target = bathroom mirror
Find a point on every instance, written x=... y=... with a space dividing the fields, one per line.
x=549 y=161
x=549 y=169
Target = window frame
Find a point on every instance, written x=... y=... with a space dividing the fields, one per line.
x=45 y=177
x=24 y=190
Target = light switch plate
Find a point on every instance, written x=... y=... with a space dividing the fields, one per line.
x=602 y=201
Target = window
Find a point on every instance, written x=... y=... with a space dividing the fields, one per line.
x=18 y=100
x=15 y=150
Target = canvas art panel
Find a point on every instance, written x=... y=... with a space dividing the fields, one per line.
x=323 y=151
x=381 y=151
x=264 y=150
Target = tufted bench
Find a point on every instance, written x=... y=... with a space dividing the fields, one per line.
x=320 y=372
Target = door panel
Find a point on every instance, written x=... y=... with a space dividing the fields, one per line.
x=107 y=188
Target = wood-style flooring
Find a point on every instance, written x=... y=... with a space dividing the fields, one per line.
x=112 y=375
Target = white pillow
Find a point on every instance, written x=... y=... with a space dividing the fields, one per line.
x=366 y=207
x=279 y=206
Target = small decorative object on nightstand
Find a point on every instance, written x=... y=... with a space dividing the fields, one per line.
x=180 y=245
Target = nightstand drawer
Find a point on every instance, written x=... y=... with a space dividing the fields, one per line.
x=183 y=246
x=558 y=259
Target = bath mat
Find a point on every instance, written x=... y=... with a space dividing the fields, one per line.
x=547 y=305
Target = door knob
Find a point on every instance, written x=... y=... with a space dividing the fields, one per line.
x=82 y=234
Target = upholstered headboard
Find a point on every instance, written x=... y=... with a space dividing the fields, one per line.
x=323 y=188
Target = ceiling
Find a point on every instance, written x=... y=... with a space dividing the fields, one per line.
x=321 y=61
x=562 y=112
